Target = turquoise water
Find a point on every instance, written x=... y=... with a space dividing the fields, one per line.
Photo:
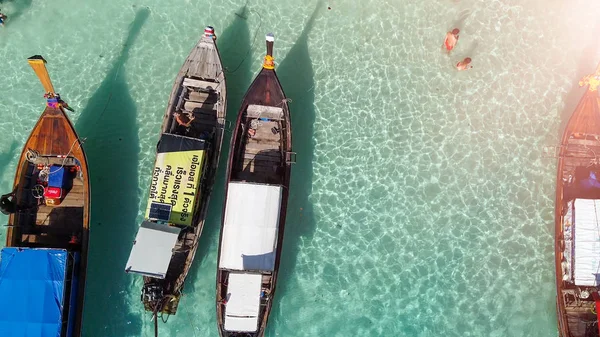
x=421 y=203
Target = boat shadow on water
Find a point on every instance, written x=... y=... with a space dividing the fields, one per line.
x=6 y=158
x=234 y=47
x=112 y=147
x=297 y=79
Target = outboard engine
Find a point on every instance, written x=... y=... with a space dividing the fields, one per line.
x=152 y=293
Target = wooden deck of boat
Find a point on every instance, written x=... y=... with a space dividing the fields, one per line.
x=579 y=152
x=578 y=315
x=42 y=225
x=203 y=65
x=38 y=225
x=204 y=60
x=54 y=225
x=199 y=90
x=262 y=157
x=54 y=135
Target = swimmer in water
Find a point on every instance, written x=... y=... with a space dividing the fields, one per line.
x=464 y=64
x=451 y=40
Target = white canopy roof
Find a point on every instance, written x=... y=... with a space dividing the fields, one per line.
x=243 y=302
x=587 y=242
x=250 y=227
x=152 y=249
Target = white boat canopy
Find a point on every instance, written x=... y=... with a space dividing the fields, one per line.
x=250 y=227
x=152 y=249
x=243 y=302
x=587 y=242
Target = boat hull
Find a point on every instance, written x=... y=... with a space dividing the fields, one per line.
x=204 y=63
x=576 y=297
x=41 y=226
x=259 y=155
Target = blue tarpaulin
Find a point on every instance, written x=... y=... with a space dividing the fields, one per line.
x=57 y=176
x=32 y=291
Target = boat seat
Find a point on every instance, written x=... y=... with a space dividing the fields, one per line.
x=208 y=101
x=266 y=157
x=196 y=96
x=263 y=111
x=196 y=107
x=193 y=83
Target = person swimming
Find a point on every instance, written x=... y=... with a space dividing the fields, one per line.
x=464 y=64
x=451 y=40
x=2 y=19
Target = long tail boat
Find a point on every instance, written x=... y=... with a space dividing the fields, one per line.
x=43 y=266
x=182 y=179
x=258 y=179
x=577 y=214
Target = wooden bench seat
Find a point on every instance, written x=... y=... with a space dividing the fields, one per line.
x=200 y=107
x=193 y=83
x=263 y=111
x=586 y=142
x=269 y=156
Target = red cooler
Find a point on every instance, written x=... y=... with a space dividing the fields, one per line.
x=57 y=178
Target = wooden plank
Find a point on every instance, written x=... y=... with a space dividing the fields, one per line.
x=587 y=142
x=205 y=121
x=255 y=147
x=270 y=165
x=70 y=218
x=193 y=83
x=202 y=97
x=269 y=152
x=264 y=111
x=276 y=158
x=259 y=176
x=56 y=137
x=196 y=96
x=263 y=132
x=200 y=108
x=77 y=188
x=204 y=61
x=55 y=160
x=72 y=201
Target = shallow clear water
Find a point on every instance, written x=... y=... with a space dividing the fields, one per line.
x=421 y=203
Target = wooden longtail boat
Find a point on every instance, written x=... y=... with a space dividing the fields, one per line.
x=182 y=180
x=577 y=218
x=43 y=266
x=258 y=178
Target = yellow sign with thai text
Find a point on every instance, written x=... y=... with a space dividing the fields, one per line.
x=175 y=182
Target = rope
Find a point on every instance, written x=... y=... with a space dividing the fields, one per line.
x=285 y=100
x=253 y=43
x=33 y=155
x=162 y=318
